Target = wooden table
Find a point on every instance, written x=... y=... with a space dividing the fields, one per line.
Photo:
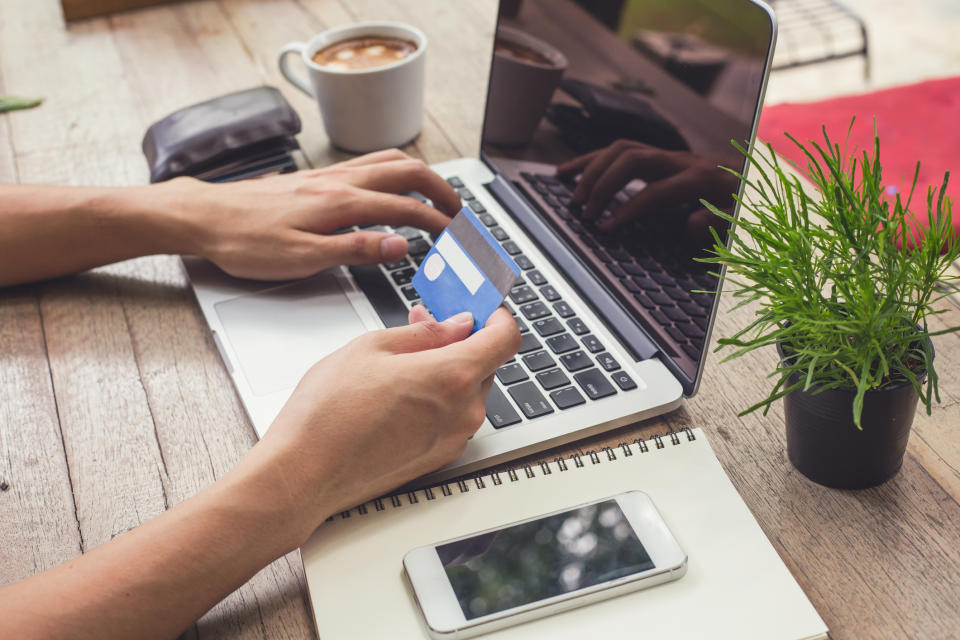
x=114 y=404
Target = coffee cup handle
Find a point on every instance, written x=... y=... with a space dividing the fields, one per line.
x=283 y=62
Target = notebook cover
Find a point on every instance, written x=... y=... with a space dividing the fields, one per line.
x=736 y=585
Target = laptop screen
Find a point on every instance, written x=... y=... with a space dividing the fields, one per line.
x=612 y=118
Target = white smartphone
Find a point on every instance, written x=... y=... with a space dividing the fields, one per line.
x=541 y=565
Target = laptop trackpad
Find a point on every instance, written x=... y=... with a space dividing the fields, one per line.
x=279 y=333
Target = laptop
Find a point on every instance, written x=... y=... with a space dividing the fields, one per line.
x=614 y=310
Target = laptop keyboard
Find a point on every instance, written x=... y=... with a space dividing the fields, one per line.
x=561 y=364
x=658 y=283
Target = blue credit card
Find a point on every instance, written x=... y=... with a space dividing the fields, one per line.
x=465 y=270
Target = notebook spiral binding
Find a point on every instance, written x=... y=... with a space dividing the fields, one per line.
x=516 y=474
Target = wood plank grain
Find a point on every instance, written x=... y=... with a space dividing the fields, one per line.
x=87 y=100
x=114 y=463
x=116 y=467
x=38 y=524
x=8 y=164
x=178 y=55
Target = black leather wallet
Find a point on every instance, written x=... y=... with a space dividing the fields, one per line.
x=239 y=135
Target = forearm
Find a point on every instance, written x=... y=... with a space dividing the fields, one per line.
x=154 y=581
x=47 y=232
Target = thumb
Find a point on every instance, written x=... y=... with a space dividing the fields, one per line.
x=427 y=334
x=363 y=247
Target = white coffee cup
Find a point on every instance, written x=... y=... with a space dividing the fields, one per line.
x=365 y=109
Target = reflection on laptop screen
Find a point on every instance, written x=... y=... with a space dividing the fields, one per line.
x=612 y=118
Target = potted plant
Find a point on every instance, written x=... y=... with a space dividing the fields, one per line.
x=843 y=282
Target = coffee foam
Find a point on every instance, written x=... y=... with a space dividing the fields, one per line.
x=364 y=52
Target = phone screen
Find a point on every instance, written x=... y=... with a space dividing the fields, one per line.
x=535 y=560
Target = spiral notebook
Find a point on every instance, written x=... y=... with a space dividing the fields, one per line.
x=736 y=585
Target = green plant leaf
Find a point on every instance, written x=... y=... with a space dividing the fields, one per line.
x=836 y=277
x=13 y=103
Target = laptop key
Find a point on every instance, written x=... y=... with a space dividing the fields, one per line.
x=455 y=182
x=511 y=247
x=538 y=361
x=661 y=277
x=508 y=307
x=631 y=286
x=499 y=233
x=690 y=330
x=487 y=219
x=692 y=309
x=576 y=361
x=552 y=378
x=549 y=293
x=476 y=206
x=530 y=400
x=399 y=264
x=548 y=326
x=465 y=193
x=566 y=398
x=521 y=324
x=608 y=362
x=511 y=373
x=592 y=344
x=563 y=309
x=403 y=276
x=577 y=326
x=594 y=383
x=644 y=301
x=535 y=310
x=523 y=295
x=536 y=278
x=418 y=247
x=524 y=263
x=410 y=233
x=646 y=283
x=562 y=343
x=500 y=412
x=624 y=381
x=603 y=256
x=409 y=292
x=676 y=334
x=528 y=342
x=675 y=314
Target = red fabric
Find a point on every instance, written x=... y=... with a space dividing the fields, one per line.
x=915 y=122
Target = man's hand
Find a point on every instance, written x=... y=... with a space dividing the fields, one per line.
x=272 y=228
x=388 y=407
x=283 y=226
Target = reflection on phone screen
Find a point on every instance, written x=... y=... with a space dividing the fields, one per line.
x=535 y=560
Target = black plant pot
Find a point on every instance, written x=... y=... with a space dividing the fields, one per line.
x=825 y=445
